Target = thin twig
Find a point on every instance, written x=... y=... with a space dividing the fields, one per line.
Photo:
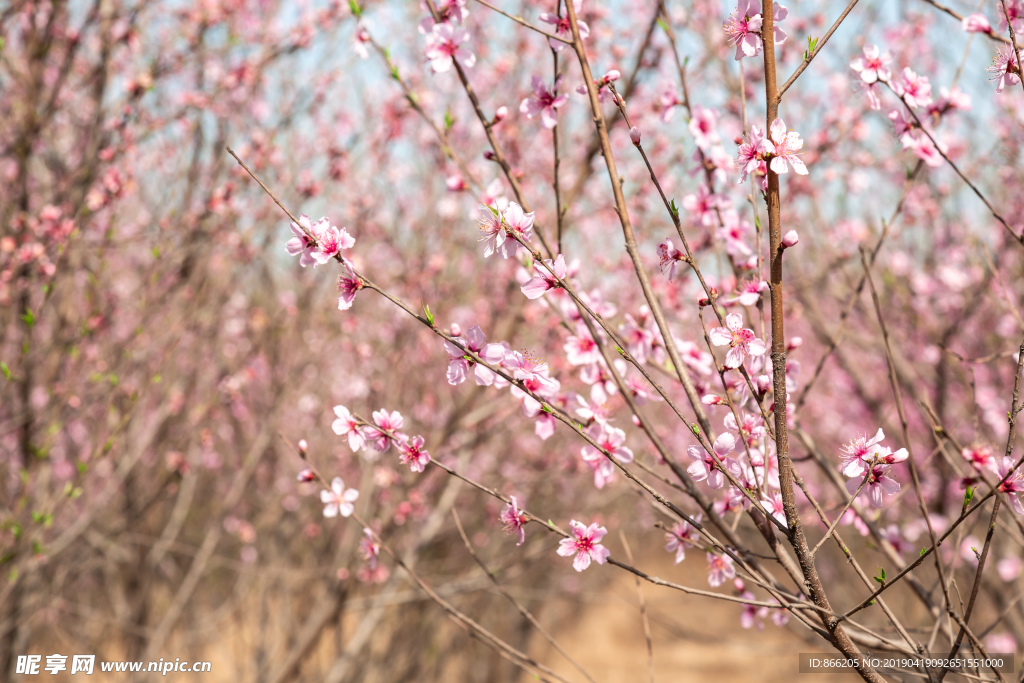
x=809 y=58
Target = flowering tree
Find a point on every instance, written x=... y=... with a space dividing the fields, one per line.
x=176 y=393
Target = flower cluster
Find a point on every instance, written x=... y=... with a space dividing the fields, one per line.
x=381 y=435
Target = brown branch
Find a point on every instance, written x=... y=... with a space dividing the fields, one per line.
x=817 y=49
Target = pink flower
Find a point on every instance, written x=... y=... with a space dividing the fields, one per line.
x=449 y=12
x=787 y=144
x=743 y=27
x=980 y=456
x=703 y=125
x=704 y=466
x=543 y=102
x=387 y=422
x=338 y=499
x=444 y=45
x=681 y=535
x=304 y=242
x=878 y=484
x=923 y=148
x=585 y=544
x=773 y=504
x=749 y=293
x=581 y=349
x=513 y=520
x=1004 y=69
x=670 y=258
x=915 y=90
x=330 y=241
x=752 y=614
x=720 y=568
x=537 y=286
x=639 y=340
x=528 y=368
x=704 y=205
x=455 y=183
x=669 y=100
x=873 y=66
x=734 y=233
x=519 y=223
x=346 y=425
x=1013 y=485
x=753 y=152
x=740 y=341
x=348 y=285
x=597 y=410
x=492 y=196
x=369 y=549
x=562 y=27
x=1015 y=8
x=609 y=439
x=413 y=454
x=858 y=454
x=976 y=23
x=458 y=367
x=359 y=40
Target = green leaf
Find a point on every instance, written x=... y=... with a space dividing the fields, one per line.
x=695 y=429
x=356 y=9
x=28 y=318
x=546 y=408
x=923 y=551
x=449 y=121
x=674 y=209
x=881 y=576
x=969 y=495
x=4 y=369
x=662 y=24
x=428 y=314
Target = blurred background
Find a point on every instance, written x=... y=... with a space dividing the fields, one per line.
x=161 y=353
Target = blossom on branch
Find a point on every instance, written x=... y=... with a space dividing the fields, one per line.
x=563 y=29
x=545 y=279
x=743 y=27
x=585 y=544
x=338 y=499
x=741 y=341
x=513 y=520
x=543 y=102
x=445 y=45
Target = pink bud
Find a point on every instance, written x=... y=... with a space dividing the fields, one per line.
x=976 y=23
x=636 y=421
x=634 y=135
x=455 y=330
x=303 y=446
x=738 y=583
x=489 y=155
x=500 y=114
x=794 y=343
x=612 y=75
x=790 y=239
x=764 y=383
x=455 y=183
x=306 y=475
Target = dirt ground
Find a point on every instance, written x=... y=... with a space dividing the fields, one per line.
x=694 y=638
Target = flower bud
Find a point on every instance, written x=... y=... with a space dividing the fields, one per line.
x=455 y=330
x=738 y=583
x=976 y=23
x=794 y=343
x=764 y=383
x=306 y=475
x=500 y=114
x=489 y=155
x=302 y=447
x=612 y=75
x=790 y=239
x=634 y=135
